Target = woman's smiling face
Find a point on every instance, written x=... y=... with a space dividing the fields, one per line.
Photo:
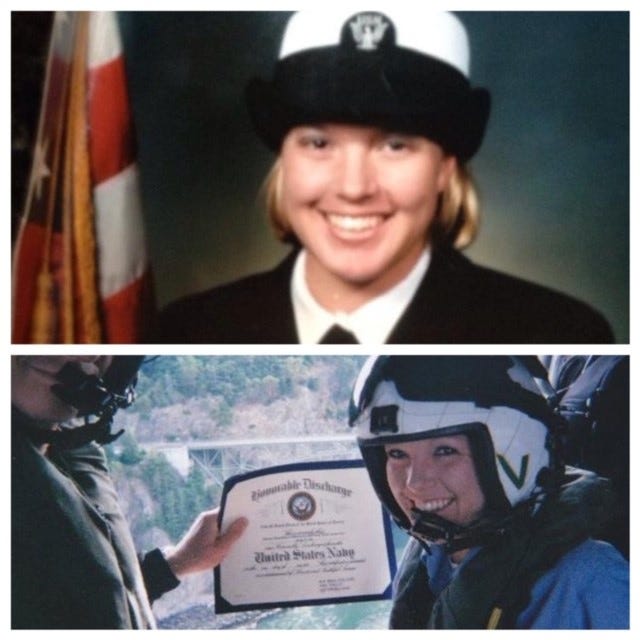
x=436 y=475
x=361 y=199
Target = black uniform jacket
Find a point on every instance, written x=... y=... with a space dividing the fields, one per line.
x=457 y=302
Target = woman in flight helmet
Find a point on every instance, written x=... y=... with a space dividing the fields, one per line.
x=464 y=454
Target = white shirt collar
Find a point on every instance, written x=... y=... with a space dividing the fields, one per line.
x=371 y=323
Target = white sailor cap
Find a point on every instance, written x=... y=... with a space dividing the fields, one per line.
x=438 y=34
x=403 y=69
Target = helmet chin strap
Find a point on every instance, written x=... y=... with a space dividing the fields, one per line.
x=72 y=437
x=430 y=527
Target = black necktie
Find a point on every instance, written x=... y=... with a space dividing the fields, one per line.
x=338 y=335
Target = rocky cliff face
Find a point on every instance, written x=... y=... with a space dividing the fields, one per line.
x=315 y=402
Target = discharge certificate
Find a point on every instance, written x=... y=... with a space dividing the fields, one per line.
x=317 y=534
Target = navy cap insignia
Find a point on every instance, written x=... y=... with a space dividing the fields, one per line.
x=368 y=30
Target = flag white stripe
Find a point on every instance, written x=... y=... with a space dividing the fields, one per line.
x=120 y=231
x=104 y=38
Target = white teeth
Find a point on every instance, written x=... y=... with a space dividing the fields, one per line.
x=435 y=505
x=354 y=223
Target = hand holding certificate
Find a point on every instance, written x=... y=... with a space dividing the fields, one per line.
x=317 y=534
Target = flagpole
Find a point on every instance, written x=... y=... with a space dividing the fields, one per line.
x=84 y=239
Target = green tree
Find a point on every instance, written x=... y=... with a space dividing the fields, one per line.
x=129 y=451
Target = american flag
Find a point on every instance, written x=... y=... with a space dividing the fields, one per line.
x=81 y=271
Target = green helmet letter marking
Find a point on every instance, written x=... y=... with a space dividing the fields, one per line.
x=518 y=480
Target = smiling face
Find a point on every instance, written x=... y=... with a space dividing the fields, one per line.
x=361 y=201
x=435 y=475
x=33 y=376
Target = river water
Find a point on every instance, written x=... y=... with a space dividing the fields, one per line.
x=356 y=615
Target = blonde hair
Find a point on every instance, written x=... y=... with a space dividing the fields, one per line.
x=455 y=223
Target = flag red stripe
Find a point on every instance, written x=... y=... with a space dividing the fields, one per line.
x=112 y=139
x=126 y=313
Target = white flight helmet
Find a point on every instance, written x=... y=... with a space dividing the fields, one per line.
x=493 y=400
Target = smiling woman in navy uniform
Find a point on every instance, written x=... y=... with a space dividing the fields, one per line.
x=374 y=120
